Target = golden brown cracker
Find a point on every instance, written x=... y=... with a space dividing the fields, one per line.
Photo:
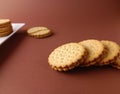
x=95 y=51
x=112 y=52
x=66 y=57
x=39 y=32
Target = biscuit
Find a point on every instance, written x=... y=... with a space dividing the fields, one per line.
x=2 y=34
x=5 y=22
x=112 y=52
x=95 y=50
x=67 y=56
x=116 y=64
x=39 y=32
x=5 y=27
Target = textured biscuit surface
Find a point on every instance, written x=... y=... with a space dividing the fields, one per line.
x=112 y=52
x=66 y=57
x=95 y=51
x=116 y=64
x=39 y=32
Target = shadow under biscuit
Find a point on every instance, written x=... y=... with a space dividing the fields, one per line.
x=8 y=47
x=88 y=70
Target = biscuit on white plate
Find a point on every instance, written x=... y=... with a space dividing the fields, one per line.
x=5 y=27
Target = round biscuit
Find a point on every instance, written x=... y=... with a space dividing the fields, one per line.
x=5 y=22
x=116 y=63
x=95 y=51
x=6 y=29
x=112 y=52
x=67 y=56
x=39 y=32
x=3 y=34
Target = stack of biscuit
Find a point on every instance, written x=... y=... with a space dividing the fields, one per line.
x=5 y=27
x=86 y=53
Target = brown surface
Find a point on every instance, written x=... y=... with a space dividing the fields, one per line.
x=23 y=60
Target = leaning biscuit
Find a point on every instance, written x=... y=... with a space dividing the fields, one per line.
x=95 y=50
x=39 y=32
x=112 y=52
x=116 y=63
x=67 y=56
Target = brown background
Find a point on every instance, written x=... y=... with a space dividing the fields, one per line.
x=23 y=60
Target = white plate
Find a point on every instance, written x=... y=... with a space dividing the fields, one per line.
x=16 y=27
